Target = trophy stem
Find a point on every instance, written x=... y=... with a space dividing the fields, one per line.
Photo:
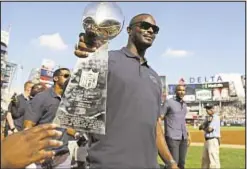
x=83 y=106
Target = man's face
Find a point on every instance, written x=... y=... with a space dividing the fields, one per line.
x=28 y=88
x=62 y=77
x=37 y=88
x=180 y=91
x=143 y=31
x=163 y=97
x=210 y=111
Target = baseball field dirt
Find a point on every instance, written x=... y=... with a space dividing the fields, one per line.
x=236 y=137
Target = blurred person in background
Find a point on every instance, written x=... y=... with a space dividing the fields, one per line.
x=211 y=128
x=177 y=136
x=43 y=108
x=16 y=109
x=37 y=88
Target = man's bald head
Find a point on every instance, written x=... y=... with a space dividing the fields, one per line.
x=141 y=31
x=139 y=18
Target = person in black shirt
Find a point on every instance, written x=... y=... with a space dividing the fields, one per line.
x=16 y=109
x=37 y=88
x=43 y=108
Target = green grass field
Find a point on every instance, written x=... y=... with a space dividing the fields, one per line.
x=191 y=128
x=229 y=158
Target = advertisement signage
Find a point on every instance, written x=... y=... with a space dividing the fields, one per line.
x=232 y=89
x=214 y=85
x=189 y=98
x=194 y=108
x=200 y=79
x=48 y=64
x=171 y=89
x=203 y=94
x=46 y=79
x=191 y=88
x=46 y=76
x=46 y=73
x=220 y=94
x=206 y=91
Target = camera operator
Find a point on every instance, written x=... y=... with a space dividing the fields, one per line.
x=211 y=127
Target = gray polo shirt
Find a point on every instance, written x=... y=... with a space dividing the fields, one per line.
x=133 y=108
x=43 y=107
x=174 y=112
x=42 y=110
x=18 y=110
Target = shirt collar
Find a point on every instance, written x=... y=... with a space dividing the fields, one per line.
x=142 y=61
x=26 y=98
x=178 y=100
x=53 y=94
x=215 y=114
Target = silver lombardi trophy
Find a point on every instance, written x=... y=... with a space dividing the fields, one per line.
x=83 y=105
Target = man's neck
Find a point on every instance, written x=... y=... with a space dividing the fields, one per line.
x=179 y=99
x=58 y=90
x=135 y=51
x=26 y=95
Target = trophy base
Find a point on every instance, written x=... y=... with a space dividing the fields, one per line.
x=83 y=105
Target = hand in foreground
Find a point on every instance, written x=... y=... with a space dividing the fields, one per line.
x=23 y=148
x=86 y=45
x=11 y=132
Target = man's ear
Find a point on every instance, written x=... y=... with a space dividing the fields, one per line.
x=128 y=30
x=55 y=79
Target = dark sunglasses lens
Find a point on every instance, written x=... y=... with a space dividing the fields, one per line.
x=66 y=75
x=146 y=26
x=156 y=29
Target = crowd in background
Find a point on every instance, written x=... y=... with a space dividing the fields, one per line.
x=27 y=110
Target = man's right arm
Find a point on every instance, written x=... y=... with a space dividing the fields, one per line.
x=34 y=112
x=204 y=125
x=163 y=149
x=11 y=122
x=84 y=48
x=164 y=110
x=9 y=117
x=12 y=109
x=212 y=124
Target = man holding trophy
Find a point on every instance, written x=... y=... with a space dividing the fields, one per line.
x=132 y=136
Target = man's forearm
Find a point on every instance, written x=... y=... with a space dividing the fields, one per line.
x=162 y=146
x=10 y=120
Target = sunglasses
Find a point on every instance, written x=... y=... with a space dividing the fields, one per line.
x=145 y=25
x=65 y=75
